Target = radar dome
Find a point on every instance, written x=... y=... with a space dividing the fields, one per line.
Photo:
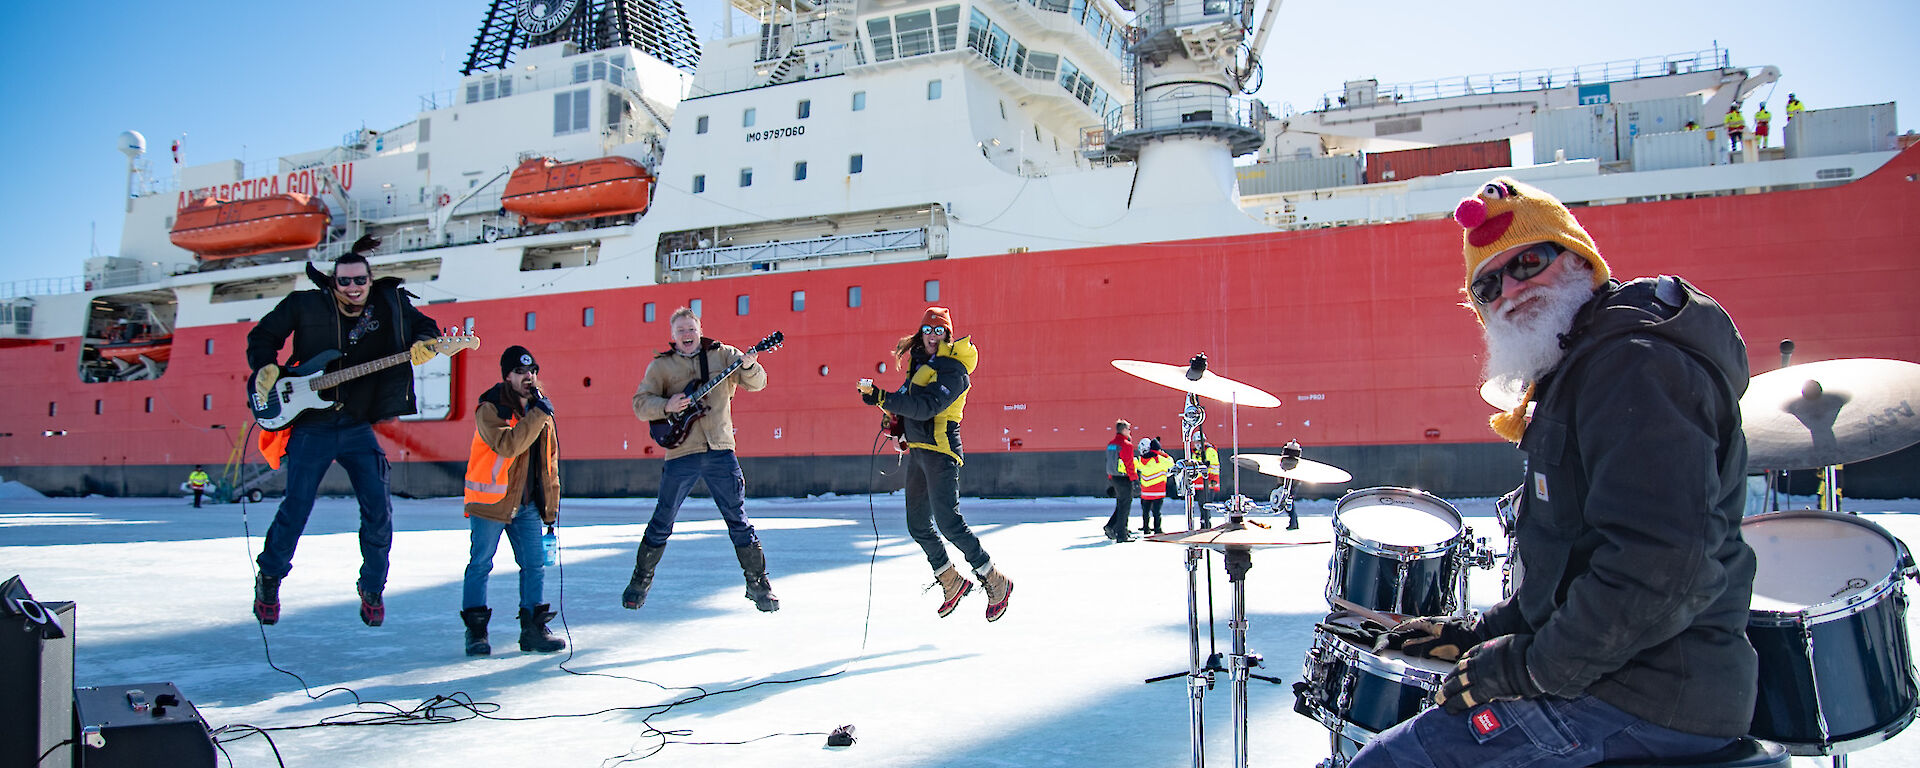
x=132 y=144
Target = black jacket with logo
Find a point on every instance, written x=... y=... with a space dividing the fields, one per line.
x=1633 y=577
x=389 y=324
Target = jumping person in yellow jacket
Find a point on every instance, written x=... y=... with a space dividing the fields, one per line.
x=512 y=487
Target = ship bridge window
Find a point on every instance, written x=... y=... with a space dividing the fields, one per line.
x=580 y=72
x=570 y=110
x=880 y=31
x=700 y=124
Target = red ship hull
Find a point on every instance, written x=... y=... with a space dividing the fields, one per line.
x=215 y=229
x=543 y=191
x=1357 y=330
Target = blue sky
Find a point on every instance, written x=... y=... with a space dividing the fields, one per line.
x=256 y=80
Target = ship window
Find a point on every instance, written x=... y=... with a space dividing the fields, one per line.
x=746 y=177
x=699 y=183
x=694 y=304
x=209 y=346
x=206 y=402
x=800 y=171
x=742 y=304
x=506 y=89
x=530 y=320
x=1036 y=133
x=914 y=33
x=859 y=100
x=53 y=409
x=947 y=17
x=880 y=31
x=580 y=72
x=799 y=301
x=933 y=90
x=98 y=408
x=933 y=290
x=586 y=318
x=149 y=405
x=422 y=164
x=468 y=325
x=805 y=109
x=746 y=118
x=599 y=69
x=646 y=312
x=853 y=296
x=700 y=124
x=473 y=93
x=570 y=112
x=856 y=163
x=487 y=92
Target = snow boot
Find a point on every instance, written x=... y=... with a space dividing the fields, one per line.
x=373 y=611
x=999 y=589
x=533 y=631
x=953 y=586
x=266 y=599
x=476 y=621
x=644 y=561
x=753 y=563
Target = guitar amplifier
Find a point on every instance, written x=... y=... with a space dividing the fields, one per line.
x=36 y=674
x=147 y=725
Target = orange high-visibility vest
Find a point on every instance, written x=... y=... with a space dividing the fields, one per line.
x=488 y=473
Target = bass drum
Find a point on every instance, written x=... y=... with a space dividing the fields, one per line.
x=1829 y=622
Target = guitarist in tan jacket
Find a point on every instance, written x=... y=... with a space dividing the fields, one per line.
x=706 y=455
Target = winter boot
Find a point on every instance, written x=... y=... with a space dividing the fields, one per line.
x=266 y=598
x=476 y=621
x=953 y=586
x=753 y=563
x=533 y=631
x=644 y=562
x=373 y=611
x=999 y=589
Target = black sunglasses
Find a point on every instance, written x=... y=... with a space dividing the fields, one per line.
x=355 y=280
x=526 y=369
x=932 y=330
x=1523 y=266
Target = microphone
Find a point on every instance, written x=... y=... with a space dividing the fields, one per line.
x=1197 y=367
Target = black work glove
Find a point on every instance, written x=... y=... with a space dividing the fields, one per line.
x=540 y=401
x=1495 y=670
x=1445 y=638
x=871 y=396
x=1136 y=489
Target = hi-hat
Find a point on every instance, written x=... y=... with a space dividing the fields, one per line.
x=1303 y=470
x=1245 y=534
x=1831 y=412
x=1210 y=385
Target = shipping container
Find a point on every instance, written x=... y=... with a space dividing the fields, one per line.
x=1583 y=133
x=1842 y=131
x=1293 y=175
x=1433 y=161
x=1680 y=149
x=1638 y=118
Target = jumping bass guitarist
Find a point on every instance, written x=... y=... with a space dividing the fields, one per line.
x=705 y=455
x=364 y=320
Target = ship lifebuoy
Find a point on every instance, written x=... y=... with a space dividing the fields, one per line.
x=444 y=199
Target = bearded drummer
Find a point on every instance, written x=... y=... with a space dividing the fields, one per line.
x=1625 y=637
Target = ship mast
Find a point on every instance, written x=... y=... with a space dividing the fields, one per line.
x=658 y=28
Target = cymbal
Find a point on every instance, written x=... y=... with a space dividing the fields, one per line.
x=1245 y=534
x=1303 y=470
x=1830 y=412
x=1502 y=393
x=1210 y=385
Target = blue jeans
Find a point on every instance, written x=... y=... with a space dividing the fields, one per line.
x=721 y=472
x=312 y=448
x=523 y=534
x=1544 y=731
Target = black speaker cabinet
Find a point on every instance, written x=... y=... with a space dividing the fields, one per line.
x=36 y=673
x=146 y=725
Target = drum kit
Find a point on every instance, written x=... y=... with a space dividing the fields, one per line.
x=1828 y=618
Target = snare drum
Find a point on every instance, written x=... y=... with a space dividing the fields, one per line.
x=1357 y=693
x=1397 y=550
x=1829 y=621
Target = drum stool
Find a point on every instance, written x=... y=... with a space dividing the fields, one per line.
x=1745 y=753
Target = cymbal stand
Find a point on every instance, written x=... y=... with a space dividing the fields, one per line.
x=1200 y=670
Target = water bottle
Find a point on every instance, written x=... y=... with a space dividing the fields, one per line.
x=551 y=546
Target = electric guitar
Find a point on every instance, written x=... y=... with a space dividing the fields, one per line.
x=671 y=431
x=298 y=389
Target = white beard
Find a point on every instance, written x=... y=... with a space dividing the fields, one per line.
x=1520 y=349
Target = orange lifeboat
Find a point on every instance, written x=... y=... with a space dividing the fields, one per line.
x=219 y=229
x=542 y=190
x=155 y=348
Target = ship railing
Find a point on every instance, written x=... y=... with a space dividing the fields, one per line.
x=1158 y=16
x=1534 y=79
x=820 y=247
x=1204 y=113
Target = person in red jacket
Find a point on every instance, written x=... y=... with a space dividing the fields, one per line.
x=1122 y=476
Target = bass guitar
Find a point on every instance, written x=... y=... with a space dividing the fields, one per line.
x=671 y=431
x=298 y=388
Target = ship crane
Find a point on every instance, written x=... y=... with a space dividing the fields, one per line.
x=1366 y=116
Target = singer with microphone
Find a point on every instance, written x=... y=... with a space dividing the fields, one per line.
x=931 y=401
x=512 y=487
